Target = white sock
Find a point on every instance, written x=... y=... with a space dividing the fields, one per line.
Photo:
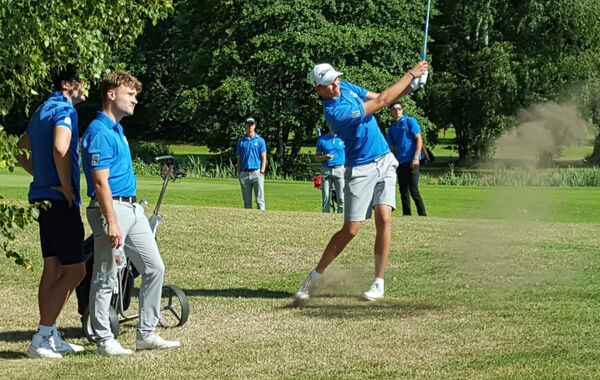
x=315 y=274
x=379 y=282
x=54 y=330
x=45 y=330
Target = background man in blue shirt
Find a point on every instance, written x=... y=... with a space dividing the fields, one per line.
x=404 y=137
x=330 y=153
x=52 y=137
x=251 y=165
x=117 y=219
x=370 y=167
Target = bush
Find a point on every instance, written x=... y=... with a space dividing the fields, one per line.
x=141 y=167
x=147 y=151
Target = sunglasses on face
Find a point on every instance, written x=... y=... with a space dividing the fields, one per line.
x=396 y=109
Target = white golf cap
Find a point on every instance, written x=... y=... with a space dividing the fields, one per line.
x=323 y=74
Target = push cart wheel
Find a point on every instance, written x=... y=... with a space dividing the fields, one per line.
x=88 y=330
x=174 y=306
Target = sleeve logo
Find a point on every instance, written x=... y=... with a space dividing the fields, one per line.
x=355 y=114
x=95 y=159
x=67 y=120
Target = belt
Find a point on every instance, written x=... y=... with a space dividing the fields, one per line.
x=249 y=170
x=335 y=166
x=132 y=199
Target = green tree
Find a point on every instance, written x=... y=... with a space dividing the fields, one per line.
x=220 y=61
x=38 y=37
x=495 y=57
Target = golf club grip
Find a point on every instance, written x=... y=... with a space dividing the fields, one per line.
x=426 y=31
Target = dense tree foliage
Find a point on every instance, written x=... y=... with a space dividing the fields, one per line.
x=494 y=57
x=38 y=37
x=215 y=62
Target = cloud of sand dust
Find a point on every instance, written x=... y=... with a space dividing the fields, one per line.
x=543 y=131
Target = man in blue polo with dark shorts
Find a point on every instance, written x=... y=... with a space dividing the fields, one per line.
x=117 y=219
x=52 y=137
x=330 y=153
x=251 y=165
x=370 y=167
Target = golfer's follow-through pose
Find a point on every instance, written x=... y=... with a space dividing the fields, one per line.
x=117 y=219
x=370 y=167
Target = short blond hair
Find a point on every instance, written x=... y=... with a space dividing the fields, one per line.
x=117 y=78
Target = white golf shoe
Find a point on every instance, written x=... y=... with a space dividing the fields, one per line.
x=375 y=293
x=155 y=342
x=64 y=347
x=308 y=286
x=42 y=347
x=112 y=347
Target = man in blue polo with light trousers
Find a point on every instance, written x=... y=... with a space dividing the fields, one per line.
x=370 y=167
x=117 y=219
x=330 y=153
x=251 y=165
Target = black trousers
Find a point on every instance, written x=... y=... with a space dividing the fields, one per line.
x=408 y=182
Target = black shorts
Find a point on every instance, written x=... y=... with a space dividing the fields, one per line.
x=61 y=232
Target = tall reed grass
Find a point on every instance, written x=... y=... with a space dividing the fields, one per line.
x=557 y=177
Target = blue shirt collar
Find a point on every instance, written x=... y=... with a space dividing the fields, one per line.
x=401 y=121
x=58 y=96
x=107 y=121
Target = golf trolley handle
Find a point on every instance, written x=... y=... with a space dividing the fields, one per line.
x=169 y=161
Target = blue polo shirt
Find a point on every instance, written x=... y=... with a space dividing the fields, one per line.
x=57 y=110
x=104 y=146
x=329 y=144
x=402 y=135
x=346 y=116
x=250 y=149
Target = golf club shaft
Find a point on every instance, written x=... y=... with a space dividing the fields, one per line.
x=426 y=30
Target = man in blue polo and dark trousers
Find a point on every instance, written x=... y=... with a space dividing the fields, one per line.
x=404 y=137
x=52 y=137
x=117 y=219
x=370 y=167
x=251 y=165
x=330 y=153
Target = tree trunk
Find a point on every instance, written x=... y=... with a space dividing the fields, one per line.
x=595 y=157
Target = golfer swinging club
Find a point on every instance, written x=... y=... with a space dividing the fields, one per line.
x=370 y=175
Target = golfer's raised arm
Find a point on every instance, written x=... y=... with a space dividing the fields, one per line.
x=397 y=90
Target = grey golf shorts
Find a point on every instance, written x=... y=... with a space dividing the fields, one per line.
x=369 y=185
x=61 y=232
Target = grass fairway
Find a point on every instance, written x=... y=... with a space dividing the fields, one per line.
x=491 y=285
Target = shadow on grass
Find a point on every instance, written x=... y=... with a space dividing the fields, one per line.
x=12 y=355
x=360 y=308
x=237 y=293
x=26 y=335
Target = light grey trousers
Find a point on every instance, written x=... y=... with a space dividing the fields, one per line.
x=332 y=175
x=249 y=181
x=141 y=249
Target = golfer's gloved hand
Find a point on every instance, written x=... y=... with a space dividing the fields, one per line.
x=414 y=84
x=423 y=79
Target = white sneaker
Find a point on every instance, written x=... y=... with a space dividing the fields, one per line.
x=155 y=341
x=42 y=347
x=112 y=347
x=375 y=293
x=308 y=286
x=64 y=347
